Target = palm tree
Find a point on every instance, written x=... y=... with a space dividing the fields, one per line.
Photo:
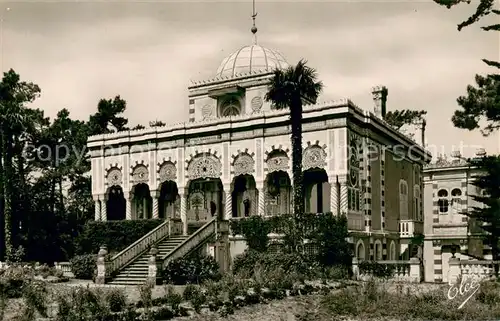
x=291 y=88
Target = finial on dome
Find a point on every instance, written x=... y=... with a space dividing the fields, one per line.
x=254 y=28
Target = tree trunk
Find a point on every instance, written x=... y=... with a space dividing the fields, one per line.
x=61 y=196
x=2 y=208
x=7 y=186
x=298 y=189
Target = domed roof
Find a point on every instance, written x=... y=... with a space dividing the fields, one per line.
x=249 y=59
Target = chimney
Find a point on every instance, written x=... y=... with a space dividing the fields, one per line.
x=424 y=124
x=380 y=101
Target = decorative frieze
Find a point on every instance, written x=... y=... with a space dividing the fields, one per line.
x=281 y=130
x=203 y=140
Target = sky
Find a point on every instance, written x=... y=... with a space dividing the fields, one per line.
x=147 y=52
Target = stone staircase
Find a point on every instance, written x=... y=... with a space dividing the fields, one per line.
x=136 y=273
x=130 y=266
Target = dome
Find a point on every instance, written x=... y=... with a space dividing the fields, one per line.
x=250 y=59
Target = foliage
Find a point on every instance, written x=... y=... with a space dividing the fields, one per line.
x=488 y=213
x=35 y=301
x=252 y=262
x=195 y=270
x=326 y=231
x=84 y=266
x=39 y=157
x=400 y=118
x=116 y=235
x=330 y=235
x=117 y=300
x=373 y=300
x=255 y=230
x=482 y=101
x=82 y=304
x=417 y=239
x=288 y=89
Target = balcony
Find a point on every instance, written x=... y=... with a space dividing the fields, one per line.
x=408 y=228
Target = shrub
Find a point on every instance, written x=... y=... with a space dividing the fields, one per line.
x=82 y=304
x=255 y=230
x=196 y=269
x=250 y=261
x=84 y=266
x=117 y=300
x=189 y=292
x=116 y=235
x=174 y=299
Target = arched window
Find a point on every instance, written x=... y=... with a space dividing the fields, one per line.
x=443 y=202
x=392 y=251
x=230 y=107
x=360 y=251
x=403 y=199
x=456 y=201
x=416 y=201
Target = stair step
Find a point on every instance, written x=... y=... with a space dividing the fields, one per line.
x=136 y=273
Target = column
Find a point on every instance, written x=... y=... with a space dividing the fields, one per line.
x=344 y=206
x=128 y=205
x=334 y=195
x=228 y=209
x=104 y=210
x=97 y=206
x=183 y=196
x=155 y=195
x=261 y=199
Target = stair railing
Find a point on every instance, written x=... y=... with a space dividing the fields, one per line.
x=139 y=247
x=191 y=242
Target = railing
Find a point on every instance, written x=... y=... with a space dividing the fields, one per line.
x=481 y=269
x=65 y=267
x=137 y=248
x=191 y=242
x=398 y=271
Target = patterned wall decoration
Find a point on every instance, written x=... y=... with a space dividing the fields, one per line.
x=256 y=104
x=167 y=171
x=204 y=165
x=243 y=163
x=114 y=176
x=140 y=173
x=208 y=111
x=277 y=160
x=314 y=156
x=354 y=184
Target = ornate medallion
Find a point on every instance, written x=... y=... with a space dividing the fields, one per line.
x=277 y=163
x=207 y=111
x=168 y=172
x=140 y=174
x=204 y=166
x=314 y=157
x=114 y=177
x=256 y=104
